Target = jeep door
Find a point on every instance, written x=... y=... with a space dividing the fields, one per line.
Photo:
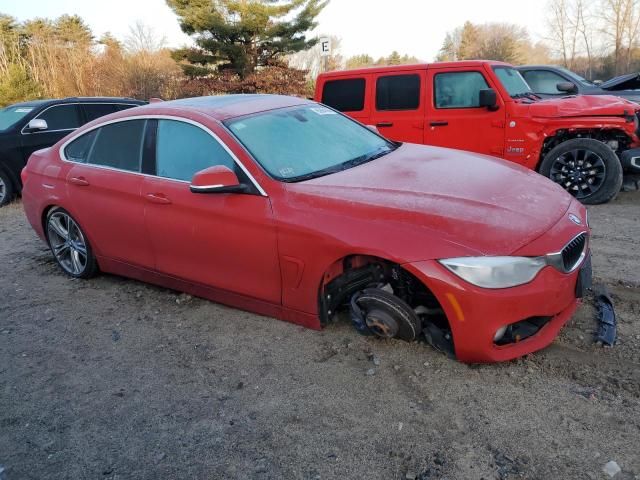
x=455 y=118
x=398 y=105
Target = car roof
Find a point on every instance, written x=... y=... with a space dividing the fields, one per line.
x=222 y=107
x=548 y=67
x=416 y=66
x=56 y=101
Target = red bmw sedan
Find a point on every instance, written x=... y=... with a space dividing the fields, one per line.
x=287 y=208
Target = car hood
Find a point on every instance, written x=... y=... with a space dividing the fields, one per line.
x=630 y=81
x=487 y=205
x=583 y=105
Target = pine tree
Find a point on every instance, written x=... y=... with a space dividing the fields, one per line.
x=244 y=34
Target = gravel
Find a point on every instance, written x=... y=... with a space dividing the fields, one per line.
x=111 y=378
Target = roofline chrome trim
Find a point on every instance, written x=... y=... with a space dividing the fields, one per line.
x=159 y=117
x=22 y=132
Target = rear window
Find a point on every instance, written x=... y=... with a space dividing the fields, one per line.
x=97 y=110
x=344 y=95
x=119 y=145
x=398 y=92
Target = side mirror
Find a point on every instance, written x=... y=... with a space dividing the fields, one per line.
x=37 y=124
x=218 y=179
x=567 y=87
x=488 y=99
x=598 y=82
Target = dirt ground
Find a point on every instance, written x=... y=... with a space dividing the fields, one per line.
x=115 y=379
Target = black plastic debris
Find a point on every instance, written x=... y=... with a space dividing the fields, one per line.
x=606 y=333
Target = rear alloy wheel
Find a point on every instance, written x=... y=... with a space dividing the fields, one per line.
x=69 y=245
x=6 y=189
x=586 y=168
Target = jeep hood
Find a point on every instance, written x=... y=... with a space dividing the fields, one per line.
x=487 y=205
x=583 y=106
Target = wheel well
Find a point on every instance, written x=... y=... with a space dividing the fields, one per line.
x=607 y=136
x=43 y=218
x=15 y=183
x=354 y=273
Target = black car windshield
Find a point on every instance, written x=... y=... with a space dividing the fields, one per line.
x=303 y=142
x=513 y=82
x=11 y=115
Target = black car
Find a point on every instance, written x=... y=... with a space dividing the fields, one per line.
x=30 y=126
x=549 y=81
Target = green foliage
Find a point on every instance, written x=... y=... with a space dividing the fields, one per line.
x=242 y=35
x=16 y=86
x=490 y=41
x=359 y=61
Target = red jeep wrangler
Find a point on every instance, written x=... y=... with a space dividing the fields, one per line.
x=582 y=143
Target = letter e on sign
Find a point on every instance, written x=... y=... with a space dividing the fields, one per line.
x=325 y=46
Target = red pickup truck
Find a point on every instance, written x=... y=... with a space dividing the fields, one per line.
x=582 y=143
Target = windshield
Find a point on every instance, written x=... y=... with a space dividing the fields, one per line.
x=304 y=142
x=576 y=77
x=512 y=81
x=11 y=115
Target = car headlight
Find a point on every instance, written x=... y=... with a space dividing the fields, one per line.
x=495 y=272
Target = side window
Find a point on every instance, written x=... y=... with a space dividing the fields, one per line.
x=79 y=149
x=61 y=117
x=183 y=149
x=543 y=81
x=119 y=145
x=344 y=95
x=458 y=89
x=398 y=92
x=97 y=110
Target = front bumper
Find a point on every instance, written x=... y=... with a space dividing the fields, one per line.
x=475 y=314
x=630 y=160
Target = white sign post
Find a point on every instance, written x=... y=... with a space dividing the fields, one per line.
x=325 y=46
x=325 y=51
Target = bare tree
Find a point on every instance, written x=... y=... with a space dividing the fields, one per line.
x=585 y=21
x=563 y=27
x=143 y=38
x=620 y=24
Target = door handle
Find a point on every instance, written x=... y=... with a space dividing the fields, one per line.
x=384 y=124
x=79 y=181
x=439 y=123
x=158 y=198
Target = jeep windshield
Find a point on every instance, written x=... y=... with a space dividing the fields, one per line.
x=308 y=141
x=11 y=115
x=513 y=82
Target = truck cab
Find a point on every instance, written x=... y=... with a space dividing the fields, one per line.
x=487 y=107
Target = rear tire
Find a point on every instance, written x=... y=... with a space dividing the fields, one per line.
x=586 y=168
x=7 y=190
x=69 y=244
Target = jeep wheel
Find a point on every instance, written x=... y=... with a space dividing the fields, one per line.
x=6 y=189
x=586 y=168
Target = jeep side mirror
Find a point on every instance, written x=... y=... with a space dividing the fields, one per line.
x=217 y=179
x=567 y=87
x=37 y=124
x=488 y=99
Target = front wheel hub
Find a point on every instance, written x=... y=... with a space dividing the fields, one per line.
x=381 y=323
x=580 y=172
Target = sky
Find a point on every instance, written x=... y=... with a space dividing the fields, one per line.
x=376 y=27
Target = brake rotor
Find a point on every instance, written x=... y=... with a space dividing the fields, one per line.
x=386 y=315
